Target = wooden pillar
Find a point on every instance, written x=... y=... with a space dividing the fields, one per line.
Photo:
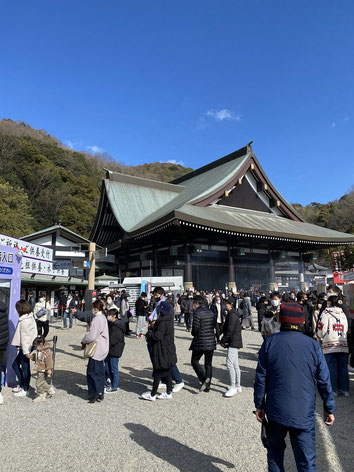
x=231 y=269
x=91 y=276
x=272 y=282
x=188 y=277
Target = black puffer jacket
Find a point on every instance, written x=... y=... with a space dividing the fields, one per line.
x=203 y=330
x=4 y=326
x=162 y=340
x=116 y=338
x=232 y=336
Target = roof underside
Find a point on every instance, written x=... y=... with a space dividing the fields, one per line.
x=134 y=207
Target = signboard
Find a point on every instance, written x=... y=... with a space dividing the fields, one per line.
x=59 y=265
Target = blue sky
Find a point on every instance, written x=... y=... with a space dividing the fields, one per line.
x=190 y=81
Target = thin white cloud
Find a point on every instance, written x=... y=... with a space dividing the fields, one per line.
x=173 y=161
x=95 y=149
x=223 y=114
x=70 y=144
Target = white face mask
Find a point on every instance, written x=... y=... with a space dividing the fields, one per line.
x=41 y=299
x=109 y=302
x=275 y=302
x=109 y=318
x=329 y=294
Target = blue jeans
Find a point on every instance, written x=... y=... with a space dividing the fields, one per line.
x=95 y=377
x=302 y=441
x=175 y=374
x=112 y=370
x=338 y=371
x=21 y=367
x=65 y=317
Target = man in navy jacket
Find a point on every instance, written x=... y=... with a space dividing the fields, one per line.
x=290 y=365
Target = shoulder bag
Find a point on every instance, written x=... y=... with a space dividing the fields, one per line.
x=90 y=349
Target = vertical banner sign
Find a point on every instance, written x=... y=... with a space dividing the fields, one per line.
x=336 y=260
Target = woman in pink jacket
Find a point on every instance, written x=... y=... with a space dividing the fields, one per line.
x=95 y=369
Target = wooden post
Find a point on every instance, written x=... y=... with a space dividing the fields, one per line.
x=91 y=277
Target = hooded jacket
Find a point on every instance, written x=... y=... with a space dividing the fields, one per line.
x=116 y=331
x=43 y=358
x=232 y=336
x=25 y=334
x=203 y=330
x=162 y=342
x=332 y=329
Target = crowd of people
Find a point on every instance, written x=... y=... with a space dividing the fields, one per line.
x=324 y=337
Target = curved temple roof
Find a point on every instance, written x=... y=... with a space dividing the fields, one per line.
x=133 y=207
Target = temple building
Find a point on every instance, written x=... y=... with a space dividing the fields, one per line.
x=223 y=224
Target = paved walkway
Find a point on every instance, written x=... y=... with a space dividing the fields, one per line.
x=192 y=432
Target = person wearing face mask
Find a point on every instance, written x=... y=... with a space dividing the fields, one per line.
x=220 y=312
x=302 y=299
x=110 y=305
x=141 y=305
x=275 y=299
x=68 y=311
x=247 y=317
x=42 y=313
x=98 y=331
x=187 y=308
x=116 y=329
x=316 y=315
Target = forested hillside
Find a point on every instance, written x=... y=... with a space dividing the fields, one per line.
x=43 y=182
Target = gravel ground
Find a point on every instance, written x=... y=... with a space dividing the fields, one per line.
x=191 y=432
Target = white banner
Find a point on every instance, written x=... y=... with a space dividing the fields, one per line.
x=33 y=251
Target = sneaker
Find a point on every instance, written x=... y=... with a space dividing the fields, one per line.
x=1 y=399
x=162 y=386
x=20 y=393
x=100 y=397
x=49 y=395
x=204 y=385
x=165 y=396
x=335 y=394
x=350 y=368
x=346 y=394
x=231 y=392
x=148 y=396
x=51 y=390
x=40 y=398
x=16 y=389
x=111 y=390
x=178 y=387
x=239 y=389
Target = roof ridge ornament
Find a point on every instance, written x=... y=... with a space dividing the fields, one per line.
x=249 y=146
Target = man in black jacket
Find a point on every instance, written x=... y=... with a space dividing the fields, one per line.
x=232 y=339
x=187 y=307
x=204 y=343
x=4 y=338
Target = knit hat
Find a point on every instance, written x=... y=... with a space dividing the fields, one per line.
x=164 y=308
x=292 y=314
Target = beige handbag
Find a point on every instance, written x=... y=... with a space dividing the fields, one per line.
x=90 y=349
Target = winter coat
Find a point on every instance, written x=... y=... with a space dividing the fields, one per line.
x=111 y=307
x=38 y=306
x=85 y=316
x=98 y=332
x=32 y=301
x=247 y=307
x=140 y=307
x=72 y=304
x=4 y=326
x=25 y=334
x=214 y=309
x=124 y=310
x=232 y=334
x=43 y=358
x=290 y=365
x=162 y=342
x=332 y=329
x=187 y=305
x=116 y=338
x=203 y=330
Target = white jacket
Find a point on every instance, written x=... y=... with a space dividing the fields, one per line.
x=25 y=334
x=38 y=306
x=332 y=329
